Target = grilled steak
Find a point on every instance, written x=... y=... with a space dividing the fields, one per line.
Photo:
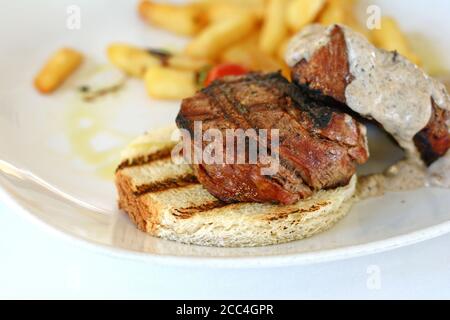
x=328 y=72
x=319 y=146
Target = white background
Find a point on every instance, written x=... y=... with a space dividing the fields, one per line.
x=35 y=264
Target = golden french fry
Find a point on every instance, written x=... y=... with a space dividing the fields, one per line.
x=239 y=54
x=391 y=38
x=168 y=83
x=302 y=12
x=282 y=48
x=336 y=11
x=332 y=13
x=228 y=7
x=242 y=53
x=220 y=35
x=353 y=22
x=180 y=19
x=265 y=62
x=223 y=10
x=342 y=12
x=132 y=60
x=274 y=27
x=184 y=62
x=135 y=61
x=57 y=69
x=248 y=54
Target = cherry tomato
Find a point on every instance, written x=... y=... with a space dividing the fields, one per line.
x=222 y=70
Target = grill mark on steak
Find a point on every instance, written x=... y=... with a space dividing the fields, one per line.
x=286 y=107
x=205 y=173
x=312 y=151
x=290 y=178
x=321 y=115
x=238 y=114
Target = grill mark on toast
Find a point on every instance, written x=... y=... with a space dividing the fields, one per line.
x=166 y=184
x=284 y=214
x=186 y=213
x=162 y=154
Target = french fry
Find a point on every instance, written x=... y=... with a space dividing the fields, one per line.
x=219 y=11
x=242 y=53
x=239 y=54
x=226 y=7
x=282 y=48
x=247 y=54
x=184 y=62
x=265 y=62
x=185 y=20
x=220 y=35
x=132 y=60
x=170 y=84
x=57 y=69
x=135 y=61
x=390 y=37
x=342 y=12
x=274 y=27
x=302 y=12
x=336 y=11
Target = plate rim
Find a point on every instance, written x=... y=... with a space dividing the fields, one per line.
x=251 y=262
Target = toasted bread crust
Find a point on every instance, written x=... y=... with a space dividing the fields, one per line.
x=130 y=203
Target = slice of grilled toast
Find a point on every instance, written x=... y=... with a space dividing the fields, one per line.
x=165 y=200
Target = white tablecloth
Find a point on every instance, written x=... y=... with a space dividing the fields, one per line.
x=35 y=264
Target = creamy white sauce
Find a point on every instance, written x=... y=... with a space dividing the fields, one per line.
x=305 y=43
x=392 y=90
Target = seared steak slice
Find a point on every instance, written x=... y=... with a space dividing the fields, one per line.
x=328 y=72
x=319 y=145
x=434 y=140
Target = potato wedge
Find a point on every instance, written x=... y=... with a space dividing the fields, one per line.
x=170 y=84
x=220 y=35
x=390 y=37
x=132 y=60
x=302 y=12
x=57 y=69
x=181 y=19
x=274 y=27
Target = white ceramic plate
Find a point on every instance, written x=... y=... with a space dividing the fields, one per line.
x=51 y=170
